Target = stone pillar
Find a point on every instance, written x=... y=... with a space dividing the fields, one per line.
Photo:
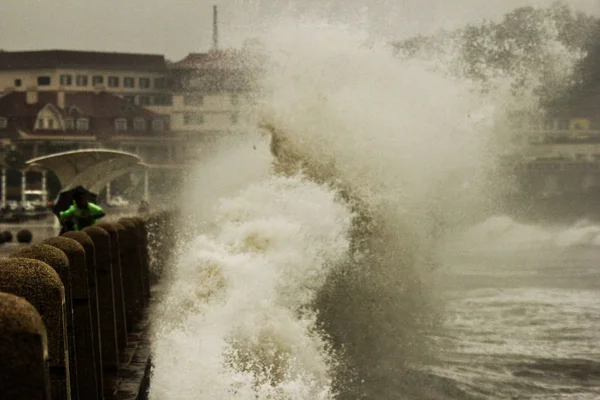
x=3 y=187
x=59 y=262
x=119 y=299
x=133 y=277
x=44 y=187
x=106 y=298
x=36 y=282
x=146 y=184
x=23 y=186
x=142 y=233
x=90 y=258
x=84 y=336
x=24 y=367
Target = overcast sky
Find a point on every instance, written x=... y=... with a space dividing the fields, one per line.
x=177 y=27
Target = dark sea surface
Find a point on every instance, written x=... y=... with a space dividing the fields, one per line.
x=522 y=307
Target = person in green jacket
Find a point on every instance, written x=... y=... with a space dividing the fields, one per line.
x=82 y=213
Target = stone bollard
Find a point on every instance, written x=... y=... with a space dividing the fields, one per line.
x=24 y=236
x=130 y=268
x=106 y=302
x=23 y=345
x=82 y=316
x=143 y=256
x=88 y=246
x=115 y=255
x=137 y=270
x=40 y=285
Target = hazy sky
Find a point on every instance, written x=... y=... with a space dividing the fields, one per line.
x=176 y=27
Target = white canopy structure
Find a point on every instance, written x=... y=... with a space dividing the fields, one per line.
x=93 y=169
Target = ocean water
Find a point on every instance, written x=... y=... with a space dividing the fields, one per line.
x=342 y=247
x=522 y=311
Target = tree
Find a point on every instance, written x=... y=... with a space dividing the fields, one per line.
x=554 y=50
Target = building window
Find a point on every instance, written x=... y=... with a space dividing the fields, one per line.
x=193 y=118
x=113 y=81
x=145 y=83
x=82 y=80
x=97 y=80
x=139 y=124
x=69 y=123
x=158 y=125
x=50 y=124
x=121 y=124
x=39 y=124
x=193 y=99
x=163 y=100
x=18 y=83
x=160 y=83
x=3 y=122
x=128 y=82
x=83 y=124
x=129 y=99
x=43 y=81
x=66 y=80
x=144 y=101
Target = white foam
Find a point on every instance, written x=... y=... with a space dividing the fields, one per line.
x=235 y=322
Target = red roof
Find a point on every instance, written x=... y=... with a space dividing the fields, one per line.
x=10 y=60
x=89 y=104
x=102 y=109
x=104 y=105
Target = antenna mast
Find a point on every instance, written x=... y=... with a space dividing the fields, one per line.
x=215 y=28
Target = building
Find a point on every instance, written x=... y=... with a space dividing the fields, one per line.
x=35 y=123
x=202 y=93
x=138 y=78
x=210 y=93
x=58 y=100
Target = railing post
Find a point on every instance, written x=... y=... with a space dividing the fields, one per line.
x=90 y=258
x=132 y=271
x=3 y=199
x=142 y=230
x=119 y=299
x=23 y=186
x=24 y=371
x=106 y=298
x=40 y=285
x=82 y=316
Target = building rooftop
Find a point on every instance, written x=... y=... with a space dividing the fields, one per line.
x=89 y=104
x=12 y=60
x=102 y=109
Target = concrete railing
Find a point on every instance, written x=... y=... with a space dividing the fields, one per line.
x=71 y=305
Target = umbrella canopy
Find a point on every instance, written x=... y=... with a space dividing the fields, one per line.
x=65 y=199
x=85 y=167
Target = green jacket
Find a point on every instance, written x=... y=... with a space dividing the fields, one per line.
x=81 y=218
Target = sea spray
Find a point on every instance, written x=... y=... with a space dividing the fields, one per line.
x=241 y=298
x=414 y=145
x=312 y=282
